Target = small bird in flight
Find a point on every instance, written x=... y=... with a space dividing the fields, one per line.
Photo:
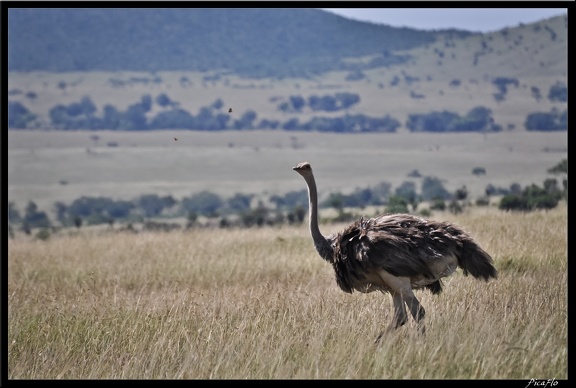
x=230 y=110
x=175 y=139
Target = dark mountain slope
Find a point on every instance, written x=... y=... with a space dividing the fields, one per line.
x=250 y=42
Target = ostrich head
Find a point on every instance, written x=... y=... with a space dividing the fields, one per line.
x=304 y=169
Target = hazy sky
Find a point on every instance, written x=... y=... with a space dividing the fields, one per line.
x=471 y=19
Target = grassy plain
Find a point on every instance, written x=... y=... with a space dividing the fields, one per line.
x=260 y=304
x=50 y=166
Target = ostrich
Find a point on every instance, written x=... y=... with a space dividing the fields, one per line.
x=396 y=253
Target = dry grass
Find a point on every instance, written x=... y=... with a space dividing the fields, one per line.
x=260 y=304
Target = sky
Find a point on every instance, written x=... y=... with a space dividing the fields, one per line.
x=470 y=19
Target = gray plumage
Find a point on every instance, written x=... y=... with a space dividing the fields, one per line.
x=395 y=254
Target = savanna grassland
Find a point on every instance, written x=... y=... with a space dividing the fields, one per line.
x=452 y=74
x=50 y=166
x=260 y=304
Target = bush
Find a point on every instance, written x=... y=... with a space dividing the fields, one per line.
x=479 y=171
x=13 y=213
x=173 y=119
x=153 y=226
x=514 y=203
x=43 y=234
x=425 y=213
x=483 y=201
x=291 y=199
x=431 y=122
x=438 y=204
x=297 y=215
x=433 y=188
x=164 y=101
x=19 y=116
x=532 y=197
x=254 y=217
x=454 y=207
x=502 y=83
x=560 y=168
x=397 y=204
x=240 y=202
x=34 y=218
x=478 y=118
x=407 y=190
x=558 y=93
x=204 y=203
x=151 y=204
x=546 y=121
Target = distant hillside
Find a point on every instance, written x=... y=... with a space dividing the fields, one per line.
x=296 y=69
x=255 y=43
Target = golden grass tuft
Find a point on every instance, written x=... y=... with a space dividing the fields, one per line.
x=260 y=304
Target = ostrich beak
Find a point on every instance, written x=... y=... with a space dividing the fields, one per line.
x=301 y=166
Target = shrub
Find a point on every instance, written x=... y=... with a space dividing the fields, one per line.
x=438 y=204
x=546 y=121
x=532 y=197
x=18 y=115
x=397 y=204
x=483 y=201
x=479 y=171
x=558 y=93
x=454 y=207
x=43 y=234
x=514 y=203
x=425 y=213
x=204 y=203
x=433 y=188
x=560 y=168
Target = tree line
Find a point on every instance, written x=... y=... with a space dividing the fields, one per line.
x=83 y=115
x=243 y=210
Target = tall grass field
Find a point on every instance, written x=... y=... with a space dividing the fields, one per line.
x=261 y=304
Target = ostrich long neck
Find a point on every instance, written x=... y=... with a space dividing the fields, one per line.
x=320 y=242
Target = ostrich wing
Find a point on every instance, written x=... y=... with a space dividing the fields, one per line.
x=401 y=244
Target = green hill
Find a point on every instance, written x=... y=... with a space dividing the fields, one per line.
x=292 y=69
x=251 y=42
